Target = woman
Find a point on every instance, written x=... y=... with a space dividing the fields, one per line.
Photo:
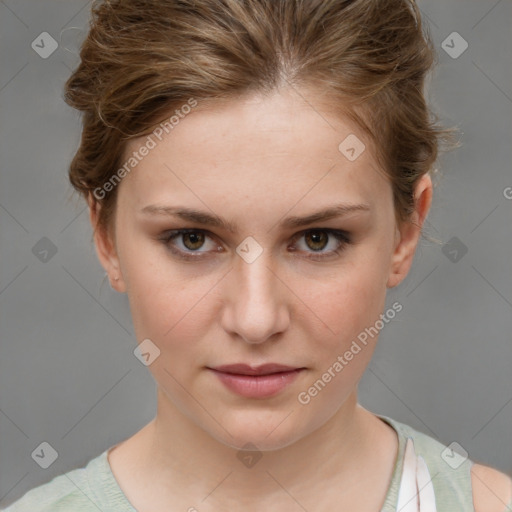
x=258 y=175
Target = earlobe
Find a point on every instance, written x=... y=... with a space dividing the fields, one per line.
x=106 y=250
x=409 y=233
x=112 y=287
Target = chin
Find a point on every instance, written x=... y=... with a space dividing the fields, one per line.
x=250 y=431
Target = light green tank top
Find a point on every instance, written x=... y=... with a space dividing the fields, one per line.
x=446 y=483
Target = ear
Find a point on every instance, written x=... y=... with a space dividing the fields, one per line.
x=106 y=250
x=407 y=236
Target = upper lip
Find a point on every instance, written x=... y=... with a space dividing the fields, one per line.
x=245 y=369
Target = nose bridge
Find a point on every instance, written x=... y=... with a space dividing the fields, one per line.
x=256 y=307
x=256 y=281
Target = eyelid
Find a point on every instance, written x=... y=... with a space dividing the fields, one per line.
x=168 y=236
x=335 y=232
x=343 y=238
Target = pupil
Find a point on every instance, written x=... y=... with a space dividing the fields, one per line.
x=196 y=239
x=317 y=236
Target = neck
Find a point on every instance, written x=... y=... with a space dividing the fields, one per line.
x=177 y=458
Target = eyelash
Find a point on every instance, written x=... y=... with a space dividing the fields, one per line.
x=342 y=237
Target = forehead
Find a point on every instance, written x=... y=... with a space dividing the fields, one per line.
x=275 y=148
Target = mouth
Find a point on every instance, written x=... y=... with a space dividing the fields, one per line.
x=264 y=369
x=256 y=382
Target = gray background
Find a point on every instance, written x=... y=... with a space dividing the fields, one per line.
x=68 y=375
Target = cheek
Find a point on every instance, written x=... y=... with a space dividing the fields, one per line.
x=348 y=300
x=168 y=305
x=349 y=305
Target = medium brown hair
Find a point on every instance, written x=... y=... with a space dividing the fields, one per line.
x=141 y=59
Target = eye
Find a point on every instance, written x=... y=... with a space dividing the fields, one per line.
x=192 y=240
x=317 y=239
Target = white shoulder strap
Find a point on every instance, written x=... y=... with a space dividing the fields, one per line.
x=416 y=493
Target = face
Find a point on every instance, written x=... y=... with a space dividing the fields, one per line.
x=260 y=287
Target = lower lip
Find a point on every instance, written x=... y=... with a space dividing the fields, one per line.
x=253 y=386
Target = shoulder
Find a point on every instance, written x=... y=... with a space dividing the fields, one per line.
x=492 y=489
x=456 y=478
x=48 y=497
x=67 y=491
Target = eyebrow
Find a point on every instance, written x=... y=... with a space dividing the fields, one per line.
x=205 y=218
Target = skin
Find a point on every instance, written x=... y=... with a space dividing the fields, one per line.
x=253 y=162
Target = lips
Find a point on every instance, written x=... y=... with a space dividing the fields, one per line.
x=245 y=369
x=258 y=382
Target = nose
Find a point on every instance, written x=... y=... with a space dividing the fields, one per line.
x=255 y=308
